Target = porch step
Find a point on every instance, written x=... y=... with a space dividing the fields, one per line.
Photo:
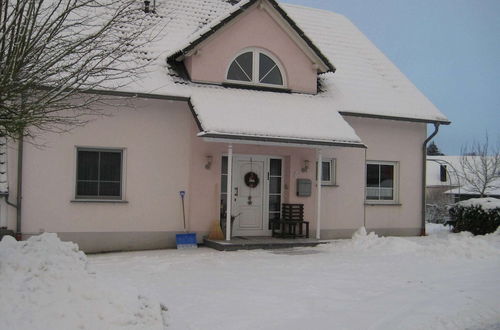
x=255 y=243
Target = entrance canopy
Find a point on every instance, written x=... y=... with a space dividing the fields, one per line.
x=247 y=115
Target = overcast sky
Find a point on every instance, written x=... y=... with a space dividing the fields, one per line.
x=450 y=49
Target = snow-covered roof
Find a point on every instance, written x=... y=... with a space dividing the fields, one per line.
x=4 y=184
x=365 y=81
x=271 y=118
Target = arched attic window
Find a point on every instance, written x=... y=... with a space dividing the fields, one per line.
x=256 y=67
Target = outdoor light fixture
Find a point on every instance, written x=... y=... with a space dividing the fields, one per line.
x=306 y=166
x=209 y=162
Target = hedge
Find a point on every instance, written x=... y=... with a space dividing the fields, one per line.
x=474 y=218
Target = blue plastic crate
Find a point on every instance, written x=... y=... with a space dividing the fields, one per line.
x=186 y=241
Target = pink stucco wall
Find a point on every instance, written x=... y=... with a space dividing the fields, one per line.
x=163 y=156
x=156 y=168
x=398 y=141
x=254 y=28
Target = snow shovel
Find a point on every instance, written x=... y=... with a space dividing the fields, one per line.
x=186 y=240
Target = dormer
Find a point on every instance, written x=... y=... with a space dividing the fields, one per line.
x=256 y=46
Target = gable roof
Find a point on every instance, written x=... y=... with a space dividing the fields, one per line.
x=240 y=7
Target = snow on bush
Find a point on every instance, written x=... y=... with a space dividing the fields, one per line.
x=487 y=203
x=45 y=284
x=477 y=215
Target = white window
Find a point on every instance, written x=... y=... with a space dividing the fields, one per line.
x=381 y=182
x=328 y=169
x=256 y=67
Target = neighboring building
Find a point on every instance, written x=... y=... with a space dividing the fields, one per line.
x=274 y=88
x=446 y=183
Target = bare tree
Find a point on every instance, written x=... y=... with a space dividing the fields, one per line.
x=480 y=167
x=56 y=53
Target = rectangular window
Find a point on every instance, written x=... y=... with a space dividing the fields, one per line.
x=99 y=174
x=223 y=188
x=381 y=181
x=328 y=177
x=275 y=179
x=442 y=173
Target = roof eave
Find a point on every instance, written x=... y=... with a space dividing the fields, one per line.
x=280 y=140
x=398 y=118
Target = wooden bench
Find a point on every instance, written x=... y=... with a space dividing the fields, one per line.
x=292 y=222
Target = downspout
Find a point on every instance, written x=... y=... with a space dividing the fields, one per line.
x=424 y=174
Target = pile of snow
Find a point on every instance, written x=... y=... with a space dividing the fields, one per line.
x=487 y=203
x=462 y=245
x=46 y=284
x=437 y=228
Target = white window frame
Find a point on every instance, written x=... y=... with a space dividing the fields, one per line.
x=395 y=194
x=255 y=69
x=333 y=172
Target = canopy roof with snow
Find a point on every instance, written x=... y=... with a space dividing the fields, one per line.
x=362 y=83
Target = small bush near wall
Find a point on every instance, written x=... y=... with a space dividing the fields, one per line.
x=478 y=215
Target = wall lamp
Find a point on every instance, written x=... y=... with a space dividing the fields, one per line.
x=306 y=166
x=208 y=164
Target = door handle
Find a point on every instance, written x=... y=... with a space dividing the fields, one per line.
x=236 y=191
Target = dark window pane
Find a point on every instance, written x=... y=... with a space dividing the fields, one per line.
x=325 y=171
x=274 y=216
x=223 y=184
x=241 y=68
x=110 y=166
x=109 y=189
x=372 y=175
x=88 y=165
x=266 y=64
x=275 y=167
x=224 y=165
x=223 y=203
x=274 y=77
x=386 y=176
x=274 y=203
x=86 y=188
x=275 y=185
x=235 y=73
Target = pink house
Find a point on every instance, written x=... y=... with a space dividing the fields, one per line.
x=241 y=102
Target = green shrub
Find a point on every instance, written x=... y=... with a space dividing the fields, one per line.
x=474 y=218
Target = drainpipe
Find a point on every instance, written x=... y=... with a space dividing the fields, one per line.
x=424 y=174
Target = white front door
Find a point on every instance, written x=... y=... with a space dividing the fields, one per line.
x=249 y=195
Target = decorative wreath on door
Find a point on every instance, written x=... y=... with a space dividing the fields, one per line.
x=251 y=179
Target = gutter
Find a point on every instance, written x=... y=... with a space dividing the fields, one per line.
x=424 y=173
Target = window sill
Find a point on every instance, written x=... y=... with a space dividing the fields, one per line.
x=383 y=203
x=264 y=88
x=119 y=201
x=329 y=185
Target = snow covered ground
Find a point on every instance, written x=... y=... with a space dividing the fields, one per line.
x=443 y=281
